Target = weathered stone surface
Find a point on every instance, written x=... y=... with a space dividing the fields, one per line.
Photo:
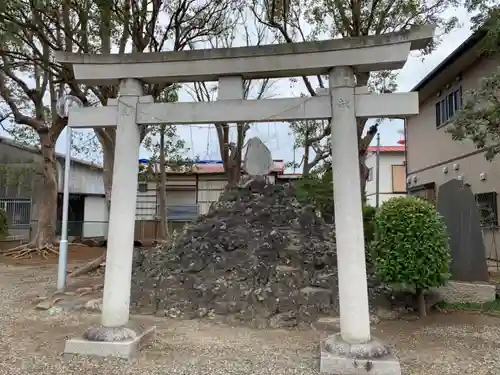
x=258 y=257
x=462 y=292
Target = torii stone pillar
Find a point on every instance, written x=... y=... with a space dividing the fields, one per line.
x=353 y=351
x=115 y=336
x=116 y=301
x=349 y=234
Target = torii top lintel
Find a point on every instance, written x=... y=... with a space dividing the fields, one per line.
x=370 y=53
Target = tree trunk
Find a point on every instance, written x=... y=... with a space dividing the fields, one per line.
x=363 y=175
x=422 y=309
x=305 y=167
x=107 y=140
x=363 y=142
x=162 y=188
x=108 y=152
x=233 y=171
x=46 y=196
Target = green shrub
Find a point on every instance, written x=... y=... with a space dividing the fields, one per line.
x=369 y=223
x=4 y=224
x=317 y=189
x=411 y=246
x=369 y=231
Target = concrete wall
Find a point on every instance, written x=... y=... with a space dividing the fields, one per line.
x=181 y=190
x=428 y=145
x=430 y=150
x=210 y=188
x=95 y=217
x=19 y=179
x=83 y=179
x=387 y=160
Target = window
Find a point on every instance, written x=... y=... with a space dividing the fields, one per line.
x=398 y=178
x=448 y=107
x=426 y=192
x=143 y=187
x=488 y=211
x=370 y=174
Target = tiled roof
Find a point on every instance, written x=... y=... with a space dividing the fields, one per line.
x=216 y=167
x=386 y=149
x=278 y=167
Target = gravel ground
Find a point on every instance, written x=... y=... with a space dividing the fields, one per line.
x=31 y=341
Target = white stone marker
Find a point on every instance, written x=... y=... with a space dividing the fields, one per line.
x=258 y=160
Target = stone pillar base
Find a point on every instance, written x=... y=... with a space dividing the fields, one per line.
x=121 y=342
x=373 y=358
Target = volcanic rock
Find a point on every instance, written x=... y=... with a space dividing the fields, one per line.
x=258 y=257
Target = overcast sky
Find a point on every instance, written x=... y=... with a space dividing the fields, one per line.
x=202 y=140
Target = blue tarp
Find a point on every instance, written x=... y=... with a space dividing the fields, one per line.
x=146 y=161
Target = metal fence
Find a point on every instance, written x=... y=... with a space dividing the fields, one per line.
x=22 y=225
x=18 y=215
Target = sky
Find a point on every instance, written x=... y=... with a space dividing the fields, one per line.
x=201 y=140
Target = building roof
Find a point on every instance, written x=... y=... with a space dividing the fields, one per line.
x=386 y=149
x=208 y=167
x=36 y=150
x=277 y=167
x=216 y=167
x=461 y=50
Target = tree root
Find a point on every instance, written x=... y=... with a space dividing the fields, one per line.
x=88 y=267
x=27 y=251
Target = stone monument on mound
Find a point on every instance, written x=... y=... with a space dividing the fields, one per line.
x=258 y=257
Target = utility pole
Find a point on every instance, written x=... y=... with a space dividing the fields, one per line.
x=377 y=173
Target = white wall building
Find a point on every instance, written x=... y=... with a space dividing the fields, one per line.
x=392 y=173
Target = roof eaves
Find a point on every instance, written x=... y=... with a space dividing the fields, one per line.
x=469 y=43
x=36 y=150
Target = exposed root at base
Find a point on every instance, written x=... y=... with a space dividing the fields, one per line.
x=88 y=267
x=27 y=251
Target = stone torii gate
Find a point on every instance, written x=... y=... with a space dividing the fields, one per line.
x=353 y=350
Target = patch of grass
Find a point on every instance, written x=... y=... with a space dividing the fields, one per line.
x=490 y=308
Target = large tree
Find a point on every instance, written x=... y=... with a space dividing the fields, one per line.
x=30 y=79
x=306 y=20
x=154 y=26
x=29 y=88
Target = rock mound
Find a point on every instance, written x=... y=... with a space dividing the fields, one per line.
x=258 y=256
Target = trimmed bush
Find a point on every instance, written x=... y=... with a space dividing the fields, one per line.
x=411 y=245
x=369 y=231
x=369 y=223
x=4 y=224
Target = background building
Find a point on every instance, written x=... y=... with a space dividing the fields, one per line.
x=392 y=173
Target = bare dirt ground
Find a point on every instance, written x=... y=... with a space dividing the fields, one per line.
x=76 y=254
x=31 y=341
